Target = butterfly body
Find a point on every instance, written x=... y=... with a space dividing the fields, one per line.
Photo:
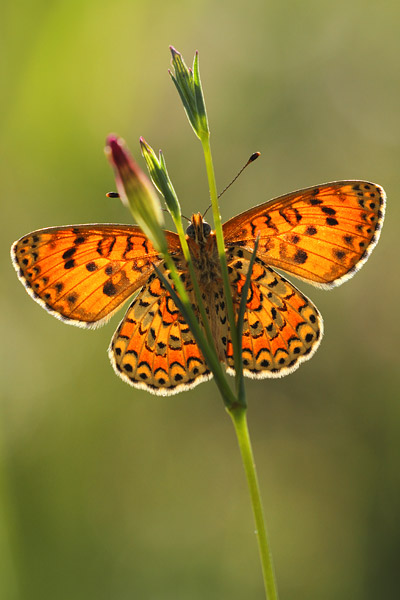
x=203 y=248
x=207 y=268
x=82 y=274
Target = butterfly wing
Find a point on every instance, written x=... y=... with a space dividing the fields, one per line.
x=282 y=327
x=153 y=348
x=81 y=274
x=322 y=234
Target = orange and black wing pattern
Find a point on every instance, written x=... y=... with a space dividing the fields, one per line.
x=322 y=234
x=81 y=274
x=282 y=327
x=153 y=347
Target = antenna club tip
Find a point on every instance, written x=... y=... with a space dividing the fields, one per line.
x=254 y=156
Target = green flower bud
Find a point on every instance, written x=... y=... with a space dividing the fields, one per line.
x=188 y=84
x=159 y=176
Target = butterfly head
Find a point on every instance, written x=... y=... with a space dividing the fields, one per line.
x=198 y=230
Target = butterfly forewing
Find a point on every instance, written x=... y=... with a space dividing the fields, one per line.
x=83 y=273
x=321 y=234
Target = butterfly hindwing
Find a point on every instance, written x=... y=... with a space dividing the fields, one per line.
x=322 y=234
x=154 y=348
x=281 y=328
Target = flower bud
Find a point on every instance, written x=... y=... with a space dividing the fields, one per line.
x=188 y=84
x=136 y=191
x=159 y=176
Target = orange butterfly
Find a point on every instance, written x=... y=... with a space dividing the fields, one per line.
x=82 y=274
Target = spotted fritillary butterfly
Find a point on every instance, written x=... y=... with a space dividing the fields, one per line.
x=82 y=274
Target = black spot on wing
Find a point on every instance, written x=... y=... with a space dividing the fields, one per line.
x=109 y=289
x=300 y=257
x=311 y=230
x=328 y=211
x=331 y=221
x=91 y=266
x=69 y=253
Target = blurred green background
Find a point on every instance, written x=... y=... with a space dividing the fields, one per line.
x=109 y=492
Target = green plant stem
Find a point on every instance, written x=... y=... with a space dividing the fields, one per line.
x=222 y=257
x=241 y=390
x=239 y=419
x=235 y=403
x=183 y=303
x=199 y=300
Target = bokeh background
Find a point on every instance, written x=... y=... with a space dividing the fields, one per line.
x=109 y=492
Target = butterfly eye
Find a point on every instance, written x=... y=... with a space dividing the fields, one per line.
x=206 y=229
x=190 y=231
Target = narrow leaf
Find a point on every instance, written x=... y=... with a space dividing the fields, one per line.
x=240 y=321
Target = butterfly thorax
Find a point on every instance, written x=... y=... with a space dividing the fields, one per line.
x=203 y=248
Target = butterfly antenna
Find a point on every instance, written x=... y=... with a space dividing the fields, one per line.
x=252 y=158
x=183 y=216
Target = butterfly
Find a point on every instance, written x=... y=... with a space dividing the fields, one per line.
x=82 y=274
